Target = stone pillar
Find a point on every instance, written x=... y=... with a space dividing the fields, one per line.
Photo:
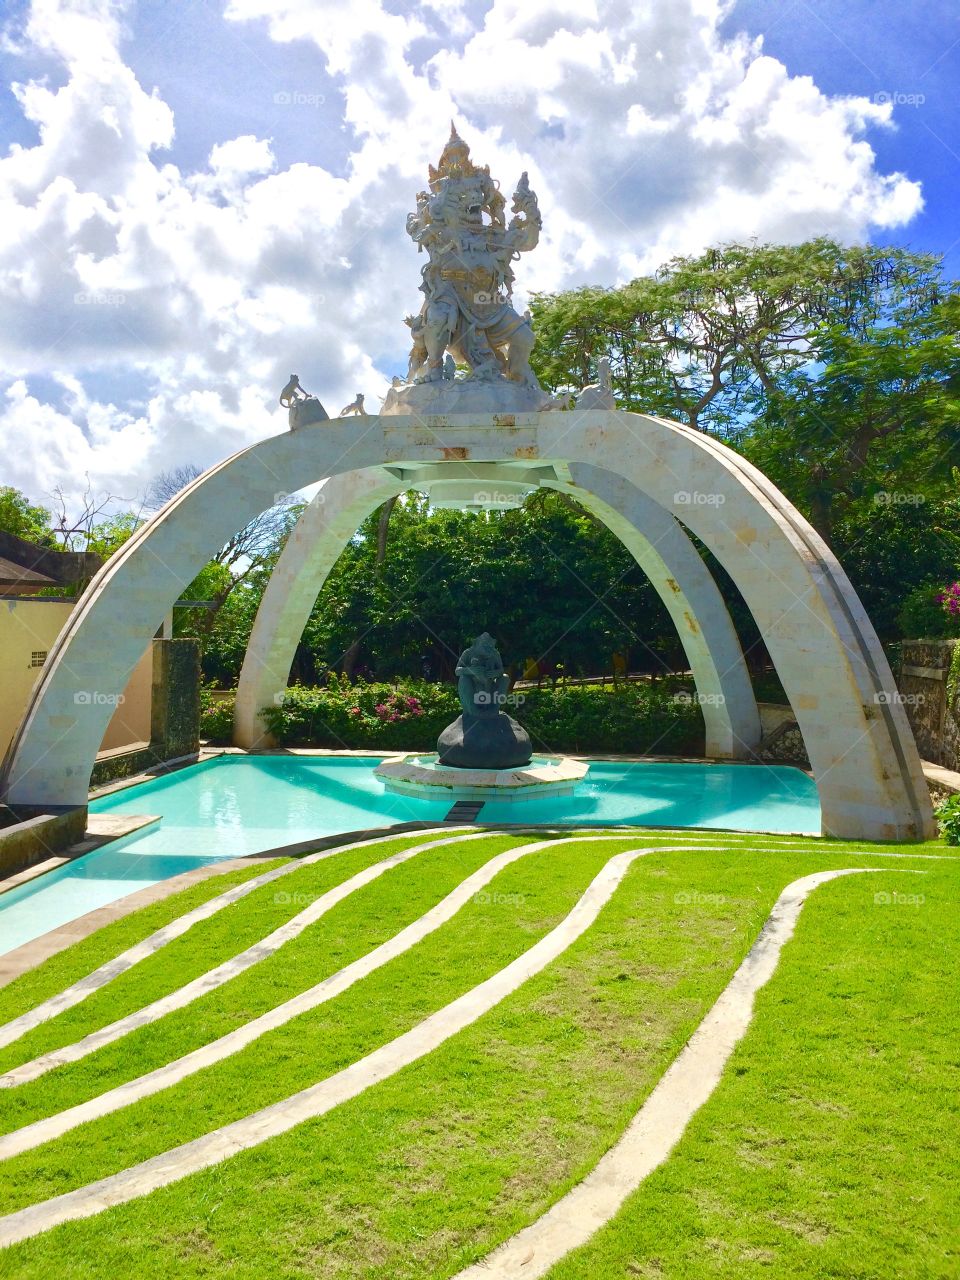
x=931 y=698
x=175 y=719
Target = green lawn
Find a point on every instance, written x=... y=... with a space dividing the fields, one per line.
x=827 y=1150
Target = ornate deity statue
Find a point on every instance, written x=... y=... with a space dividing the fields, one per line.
x=467 y=317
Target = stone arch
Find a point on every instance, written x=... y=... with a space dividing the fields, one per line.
x=650 y=534
x=861 y=750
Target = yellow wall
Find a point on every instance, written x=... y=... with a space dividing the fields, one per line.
x=31 y=625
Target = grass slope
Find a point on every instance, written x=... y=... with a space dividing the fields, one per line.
x=832 y=1114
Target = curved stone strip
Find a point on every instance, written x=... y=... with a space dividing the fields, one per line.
x=659 y=1124
x=216 y=977
x=319 y=1099
x=33 y=1135
x=50 y=1127
x=149 y=946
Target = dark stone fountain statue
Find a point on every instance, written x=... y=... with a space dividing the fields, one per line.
x=484 y=736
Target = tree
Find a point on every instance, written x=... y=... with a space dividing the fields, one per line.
x=257 y=544
x=24 y=520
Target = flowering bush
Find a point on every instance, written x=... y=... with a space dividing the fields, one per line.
x=949 y=600
x=409 y=716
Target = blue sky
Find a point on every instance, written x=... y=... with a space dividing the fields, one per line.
x=876 y=47
x=198 y=197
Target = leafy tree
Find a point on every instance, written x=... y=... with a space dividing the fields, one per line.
x=24 y=520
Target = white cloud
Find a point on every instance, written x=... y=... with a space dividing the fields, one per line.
x=645 y=132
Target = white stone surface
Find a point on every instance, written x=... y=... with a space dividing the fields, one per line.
x=34 y=1135
x=409 y=776
x=826 y=652
x=222 y=973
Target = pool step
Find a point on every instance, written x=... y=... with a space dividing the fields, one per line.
x=464 y=811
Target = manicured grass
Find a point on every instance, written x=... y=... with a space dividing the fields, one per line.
x=830 y=1148
x=429 y=1169
x=478 y=942
x=89 y=953
x=201 y=948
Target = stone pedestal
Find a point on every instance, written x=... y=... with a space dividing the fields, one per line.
x=484 y=742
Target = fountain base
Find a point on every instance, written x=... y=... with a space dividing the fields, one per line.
x=424 y=776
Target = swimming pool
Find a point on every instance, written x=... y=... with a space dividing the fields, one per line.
x=235 y=805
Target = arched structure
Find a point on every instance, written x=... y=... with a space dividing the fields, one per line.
x=823 y=645
x=652 y=535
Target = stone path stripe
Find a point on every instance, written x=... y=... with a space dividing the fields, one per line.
x=149 y=946
x=323 y=1097
x=222 y=973
x=45 y=1130
x=659 y=1124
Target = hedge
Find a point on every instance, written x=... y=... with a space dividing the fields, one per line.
x=409 y=715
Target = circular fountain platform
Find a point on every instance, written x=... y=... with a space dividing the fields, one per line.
x=423 y=776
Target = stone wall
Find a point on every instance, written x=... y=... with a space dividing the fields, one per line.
x=175 y=719
x=928 y=677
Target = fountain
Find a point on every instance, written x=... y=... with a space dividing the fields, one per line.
x=484 y=754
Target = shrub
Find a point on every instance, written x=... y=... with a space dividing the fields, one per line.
x=406 y=716
x=216 y=718
x=948 y=815
x=926 y=614
x=409 y=715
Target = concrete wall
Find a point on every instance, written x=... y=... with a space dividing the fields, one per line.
x=29 y=625
x=931 y=697
x=131 y=720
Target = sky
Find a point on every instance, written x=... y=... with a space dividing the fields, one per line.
x=199 y=196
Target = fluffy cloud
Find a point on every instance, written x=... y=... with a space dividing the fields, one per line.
x=148 y=316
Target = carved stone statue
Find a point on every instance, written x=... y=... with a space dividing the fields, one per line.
x=484 y=736
x=355 y=406
x=302 y=408
x=467 y=316
x=598 y=395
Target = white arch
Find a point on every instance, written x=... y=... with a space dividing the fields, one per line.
x=652 y=536
x=827 y=654
x=317 y=539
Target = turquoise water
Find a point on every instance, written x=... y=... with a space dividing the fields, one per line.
x=236 y=805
